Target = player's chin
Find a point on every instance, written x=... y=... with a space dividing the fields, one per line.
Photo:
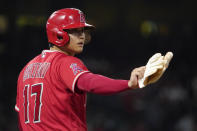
x=79 y=50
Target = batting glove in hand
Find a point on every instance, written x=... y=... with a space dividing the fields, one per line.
x=155 y=68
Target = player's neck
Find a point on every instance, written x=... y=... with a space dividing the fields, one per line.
x=61 y=49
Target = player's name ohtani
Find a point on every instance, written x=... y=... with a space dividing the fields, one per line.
x=36 y=70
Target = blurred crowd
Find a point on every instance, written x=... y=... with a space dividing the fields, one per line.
x=168 y=105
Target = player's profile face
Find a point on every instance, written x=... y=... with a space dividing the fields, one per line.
x=77 y=40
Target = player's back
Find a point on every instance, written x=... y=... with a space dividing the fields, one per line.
x=44 y=101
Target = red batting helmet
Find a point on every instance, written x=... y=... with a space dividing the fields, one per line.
x=61 y=20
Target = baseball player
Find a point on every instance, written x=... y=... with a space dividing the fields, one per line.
x=52 y=87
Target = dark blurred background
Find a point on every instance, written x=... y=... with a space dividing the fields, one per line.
x=127 y=33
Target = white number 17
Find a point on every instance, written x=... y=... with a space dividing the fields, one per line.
x=36 y=89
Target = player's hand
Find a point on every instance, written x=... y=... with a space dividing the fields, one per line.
x=136 y=74
x=155 y=68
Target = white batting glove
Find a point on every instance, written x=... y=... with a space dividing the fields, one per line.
x=155 y=68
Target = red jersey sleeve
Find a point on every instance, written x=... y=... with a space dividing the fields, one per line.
x=99 y=84
x=70 y=69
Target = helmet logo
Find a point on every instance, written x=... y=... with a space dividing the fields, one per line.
x=82 y=18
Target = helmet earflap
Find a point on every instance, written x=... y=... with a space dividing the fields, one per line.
x=62 y=38
x=57 y=36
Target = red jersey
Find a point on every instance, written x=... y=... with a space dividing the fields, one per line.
x=46 y=95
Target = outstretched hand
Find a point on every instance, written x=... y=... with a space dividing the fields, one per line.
x=136 y=74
